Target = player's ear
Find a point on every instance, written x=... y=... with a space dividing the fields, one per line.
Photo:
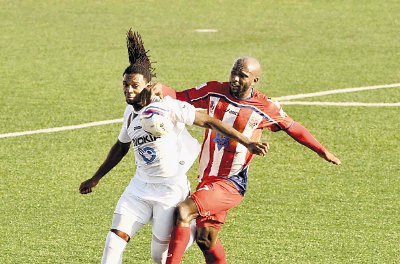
x=256 y=79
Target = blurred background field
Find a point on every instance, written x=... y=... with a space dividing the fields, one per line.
x=61 y=64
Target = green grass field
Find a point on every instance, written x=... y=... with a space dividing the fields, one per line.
x=61 y=64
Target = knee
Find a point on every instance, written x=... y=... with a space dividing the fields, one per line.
x=206 y=238
x=121 y=234
x=203 y=242
x=159 y=250
x=157 y=258
x=183 y=214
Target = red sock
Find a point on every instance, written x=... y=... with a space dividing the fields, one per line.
x=179 y=239
x=215 y=255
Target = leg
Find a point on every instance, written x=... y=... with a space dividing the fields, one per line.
x=163 y=218
x=211 y=200
x=159 y=250
x=130 y=215
x=180 y=236
x=210 y=245
x=161 y=229
x=117 y=240
x=113 y=249
x=214 y=203
x=186 y=212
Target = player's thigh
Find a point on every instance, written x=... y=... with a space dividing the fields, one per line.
x=163 y=211
x=127 y=224
x=214 y=197
x=163 y=220
x=130 y=214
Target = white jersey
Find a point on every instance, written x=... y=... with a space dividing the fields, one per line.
x=164 y=159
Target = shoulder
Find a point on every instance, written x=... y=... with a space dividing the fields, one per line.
x=174 y=103
x=128 y=110
x=266 y=100
x=268 y=104
x=212 y=85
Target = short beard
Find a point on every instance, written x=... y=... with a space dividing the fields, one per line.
x=141 y=100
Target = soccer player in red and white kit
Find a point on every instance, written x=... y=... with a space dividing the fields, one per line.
x=224 y=163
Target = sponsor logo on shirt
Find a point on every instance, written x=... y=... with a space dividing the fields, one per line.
x=148 y=154
x=253 y=122
x=143 y=139
x=232 y=112
x=212 y=106
x=221 y=141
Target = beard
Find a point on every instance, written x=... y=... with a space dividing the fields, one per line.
x=239 y=91
x=235 y=90
x=141 y=100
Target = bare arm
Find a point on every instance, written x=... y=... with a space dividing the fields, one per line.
x=304 y=137
x=204 y=120
x=115 y=155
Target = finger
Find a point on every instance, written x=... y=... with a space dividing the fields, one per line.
x=86 y=191
x=146 y=100
x=264 y=149
x=264 y=145
x=267 y=144
x=261 y=152
x=337 y=161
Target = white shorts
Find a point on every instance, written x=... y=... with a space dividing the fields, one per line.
x=145 y=202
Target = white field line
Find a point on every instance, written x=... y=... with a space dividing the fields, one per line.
x=345 y=90
x=339 y=103
x=206 y=30
x=56 y=129
x=289 y=97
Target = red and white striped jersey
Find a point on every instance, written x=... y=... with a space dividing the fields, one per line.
x=221 y=156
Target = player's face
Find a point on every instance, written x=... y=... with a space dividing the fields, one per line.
x=242 y=79
x=132 y=85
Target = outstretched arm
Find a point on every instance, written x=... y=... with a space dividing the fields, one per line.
x=304 y=137
x=204 y=120
x=115 y=155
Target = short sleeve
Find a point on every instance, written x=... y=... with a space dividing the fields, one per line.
x=183 y=112
x=123 y=134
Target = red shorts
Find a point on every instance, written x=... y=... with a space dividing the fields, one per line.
x=214 y=198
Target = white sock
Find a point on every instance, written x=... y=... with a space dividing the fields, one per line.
x=113 y=249
x=159 y=250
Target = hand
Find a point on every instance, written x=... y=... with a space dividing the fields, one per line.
x=147 y=95
x=155 y=90
x=86 y=186
x=258 y=148
x=330 y=158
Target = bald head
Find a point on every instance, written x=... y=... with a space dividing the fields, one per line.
x=244 y=76
x=249 y=64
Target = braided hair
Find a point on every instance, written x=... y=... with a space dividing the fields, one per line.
x=139 y=61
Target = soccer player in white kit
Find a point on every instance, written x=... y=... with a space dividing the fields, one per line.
x=160 y=181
